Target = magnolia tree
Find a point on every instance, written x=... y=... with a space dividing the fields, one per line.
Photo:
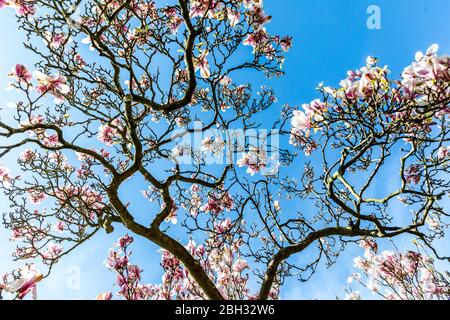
x=128 y=92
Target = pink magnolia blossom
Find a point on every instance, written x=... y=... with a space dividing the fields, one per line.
x=22 y=7
x=55 y=40
x=175 y=21
x=55 y=85
x=412 y=174
x=147 y=9
x=255 y=160
x=59 y=227
x=199 y=8
x=418 y=89
x=5 y=177
x=202 y=63
x=109 y=134
x=286 y=43
x=125 y=241
x=443 y=153
x=233 y=17
x=223 y=226
x=369 y=244
x=257 y=39
x=51 y=140
x=215 y=145
x=427 y=72
x=20 y=73
x=106 y=134
x=314 y=111
x=36 y=197
x=16 y=235
x=217 y=203
x=53 y=251
x=301 y=121
x=258 y=16
x=104 y=296
x=80 y=61
x=27 y=156
x=83 y=198
x=26 y=283
x=33 y=120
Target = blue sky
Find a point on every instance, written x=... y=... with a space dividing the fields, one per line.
x=330 y=37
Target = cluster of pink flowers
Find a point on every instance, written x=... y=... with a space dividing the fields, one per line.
x=109 y=134
x=428 y=72
x=201 y=63
x=22 y=284
x=5 y=176
x=22 y=7
x=55 y=85
x=27 y=156
x=86 y=200
x=303 y=121
x=36 y=197
x=199 y=8
x=285 y=43
x=365 y=82
x=213 y=9
x=215 y=145
x=47 y=139
x=412 y=174
x=223 y=227
x=80 y=62
x=234 y=17
x=260 y=40
x=27 y=232
x=53 y=252
x=223 y=265
x=255 y=160
x=33 y=120
x=218 y=202
x=403 y=276
x=54 y=40
x=59 y=227
x=423 y=84
x=174 y=21
x=443 y=153
x=21 y=73
x=234 y=11
x=128 y=275
x=51 y=140
x=146 y=9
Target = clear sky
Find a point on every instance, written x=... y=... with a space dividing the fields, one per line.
x=330 y=37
